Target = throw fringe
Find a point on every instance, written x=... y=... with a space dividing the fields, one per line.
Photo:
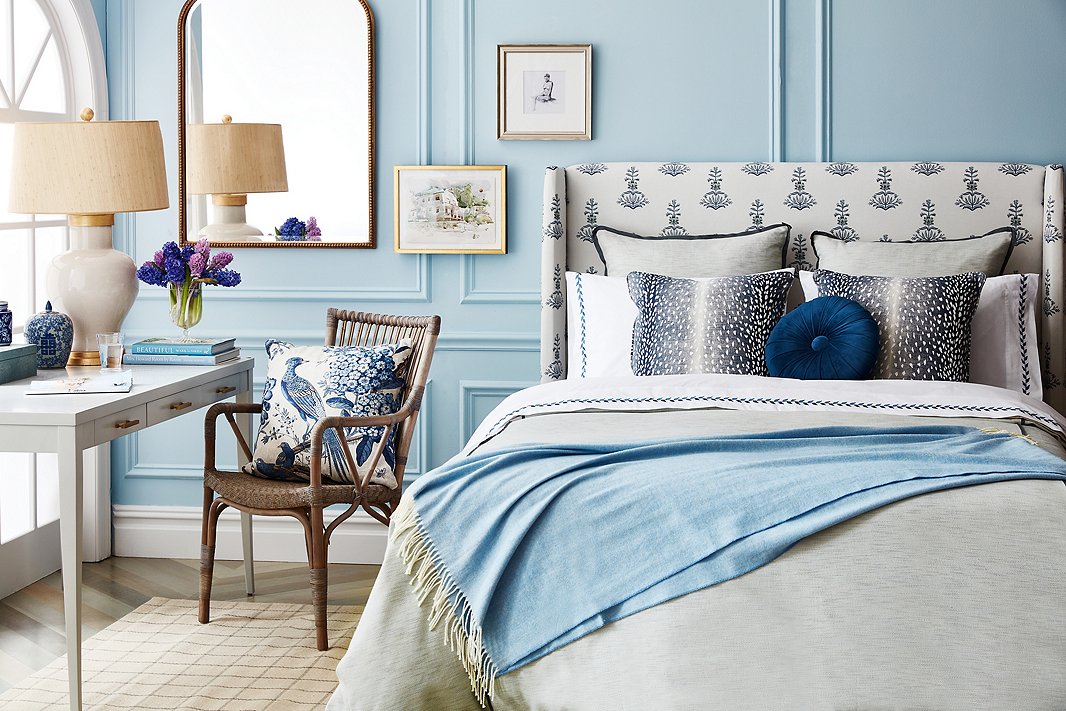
x=448 y=605
x=1019 y=435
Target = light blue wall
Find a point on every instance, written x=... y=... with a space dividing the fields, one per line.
x=673 y=79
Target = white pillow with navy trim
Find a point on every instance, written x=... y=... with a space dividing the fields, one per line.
x=1004 y=351
x=599 y=318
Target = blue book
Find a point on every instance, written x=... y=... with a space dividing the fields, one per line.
x=176 y=346
x=173 y=359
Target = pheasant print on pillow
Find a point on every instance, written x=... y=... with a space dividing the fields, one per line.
x=305 y=384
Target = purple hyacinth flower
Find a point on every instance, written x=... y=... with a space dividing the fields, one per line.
x=228 y=277
x=221 y=260
x=158 y=259
x=171 y=250
x=197 y=264
x=175 y=270
x=203 y=247
x=149 y=273
x=313 y=230
x=292 y=229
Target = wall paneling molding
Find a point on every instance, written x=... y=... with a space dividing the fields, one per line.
x=471 y=391
x=823 y=68
x=416 y=293
x=125 y=231
x=425 y=92
x=777 y=93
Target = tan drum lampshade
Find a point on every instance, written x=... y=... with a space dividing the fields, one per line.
x=89 y=171
x=235 y=158
x=88 y=168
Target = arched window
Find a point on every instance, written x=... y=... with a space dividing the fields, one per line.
x=51 y=66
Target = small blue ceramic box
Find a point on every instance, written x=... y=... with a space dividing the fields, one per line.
x=5 y=324
x=17 y=362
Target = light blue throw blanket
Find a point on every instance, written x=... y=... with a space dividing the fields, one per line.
x=526 y=549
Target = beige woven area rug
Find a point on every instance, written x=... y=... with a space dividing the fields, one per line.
x=251 y=657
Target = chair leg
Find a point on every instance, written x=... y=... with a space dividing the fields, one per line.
x=249 y=555
x=318 y=578
x=209 y=525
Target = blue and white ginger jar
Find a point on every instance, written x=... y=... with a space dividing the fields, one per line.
x=53 y=333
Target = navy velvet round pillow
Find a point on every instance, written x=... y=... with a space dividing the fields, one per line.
x=828 y=338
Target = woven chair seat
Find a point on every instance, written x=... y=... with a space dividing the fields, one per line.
x=247 y=490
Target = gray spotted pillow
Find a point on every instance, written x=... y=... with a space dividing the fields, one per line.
x=716 y=325
x=924 y=322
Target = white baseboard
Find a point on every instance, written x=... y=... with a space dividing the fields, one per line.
x=174 y=532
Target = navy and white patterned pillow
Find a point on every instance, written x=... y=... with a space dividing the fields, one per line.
x=716 y=325
x=305 y=384
x=924 y=322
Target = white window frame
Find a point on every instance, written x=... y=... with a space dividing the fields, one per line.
x=77 y=35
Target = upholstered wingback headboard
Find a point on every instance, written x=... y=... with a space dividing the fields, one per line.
x=864 y=201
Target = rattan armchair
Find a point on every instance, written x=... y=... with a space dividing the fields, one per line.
x=305 y=501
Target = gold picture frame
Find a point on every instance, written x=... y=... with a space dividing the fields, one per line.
x=450 y=209
x=544 y=92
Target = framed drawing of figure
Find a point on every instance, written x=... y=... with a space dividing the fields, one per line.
x=544 y=92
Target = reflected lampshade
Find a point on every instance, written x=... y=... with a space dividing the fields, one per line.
x=235 y=158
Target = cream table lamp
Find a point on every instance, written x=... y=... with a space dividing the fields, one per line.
x=229 y=160
x=89 y=171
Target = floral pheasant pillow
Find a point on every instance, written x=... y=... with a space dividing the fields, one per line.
x=305 y=384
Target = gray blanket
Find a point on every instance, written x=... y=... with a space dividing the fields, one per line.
x=953 y=600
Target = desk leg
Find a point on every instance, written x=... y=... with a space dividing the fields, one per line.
x=70 y=496
x=245 y=424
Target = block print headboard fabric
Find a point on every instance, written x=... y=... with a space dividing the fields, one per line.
x=926 y=201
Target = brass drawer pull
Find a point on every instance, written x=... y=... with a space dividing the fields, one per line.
x=126 y=424
x=181 y=406
x=225 y=389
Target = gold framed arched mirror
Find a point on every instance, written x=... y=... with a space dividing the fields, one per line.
x=276 y=123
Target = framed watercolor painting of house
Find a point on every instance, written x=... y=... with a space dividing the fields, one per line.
x=451 y=209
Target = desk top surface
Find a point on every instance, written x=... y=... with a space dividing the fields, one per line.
x=149 y=383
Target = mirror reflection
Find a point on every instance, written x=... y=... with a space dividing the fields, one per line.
x=278 y=142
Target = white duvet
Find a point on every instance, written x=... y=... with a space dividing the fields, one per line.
x=953 y=600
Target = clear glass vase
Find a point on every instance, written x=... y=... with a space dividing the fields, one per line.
x=186 y=305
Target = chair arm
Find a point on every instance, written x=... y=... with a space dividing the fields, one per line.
x=229 y=409
x=327 y=423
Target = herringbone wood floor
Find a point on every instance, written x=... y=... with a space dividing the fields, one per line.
x=31 y=620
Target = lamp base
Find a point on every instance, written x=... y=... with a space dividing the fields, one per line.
x=230 y=225
x=79 y=358
x=95 y=285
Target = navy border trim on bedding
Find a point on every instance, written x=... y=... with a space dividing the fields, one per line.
x=1036 y=416
x=1023 y=345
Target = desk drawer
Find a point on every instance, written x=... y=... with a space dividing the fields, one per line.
x=222 y=389
x=166 y=408
x=121 y=423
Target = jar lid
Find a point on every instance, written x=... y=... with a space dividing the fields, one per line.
x=3 y=306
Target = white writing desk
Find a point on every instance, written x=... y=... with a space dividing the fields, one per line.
x=70 y=424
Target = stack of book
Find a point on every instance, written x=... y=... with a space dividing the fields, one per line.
x=174 y=351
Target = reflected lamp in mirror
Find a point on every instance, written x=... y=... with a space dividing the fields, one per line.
x=89 y=170
x=229 y=160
